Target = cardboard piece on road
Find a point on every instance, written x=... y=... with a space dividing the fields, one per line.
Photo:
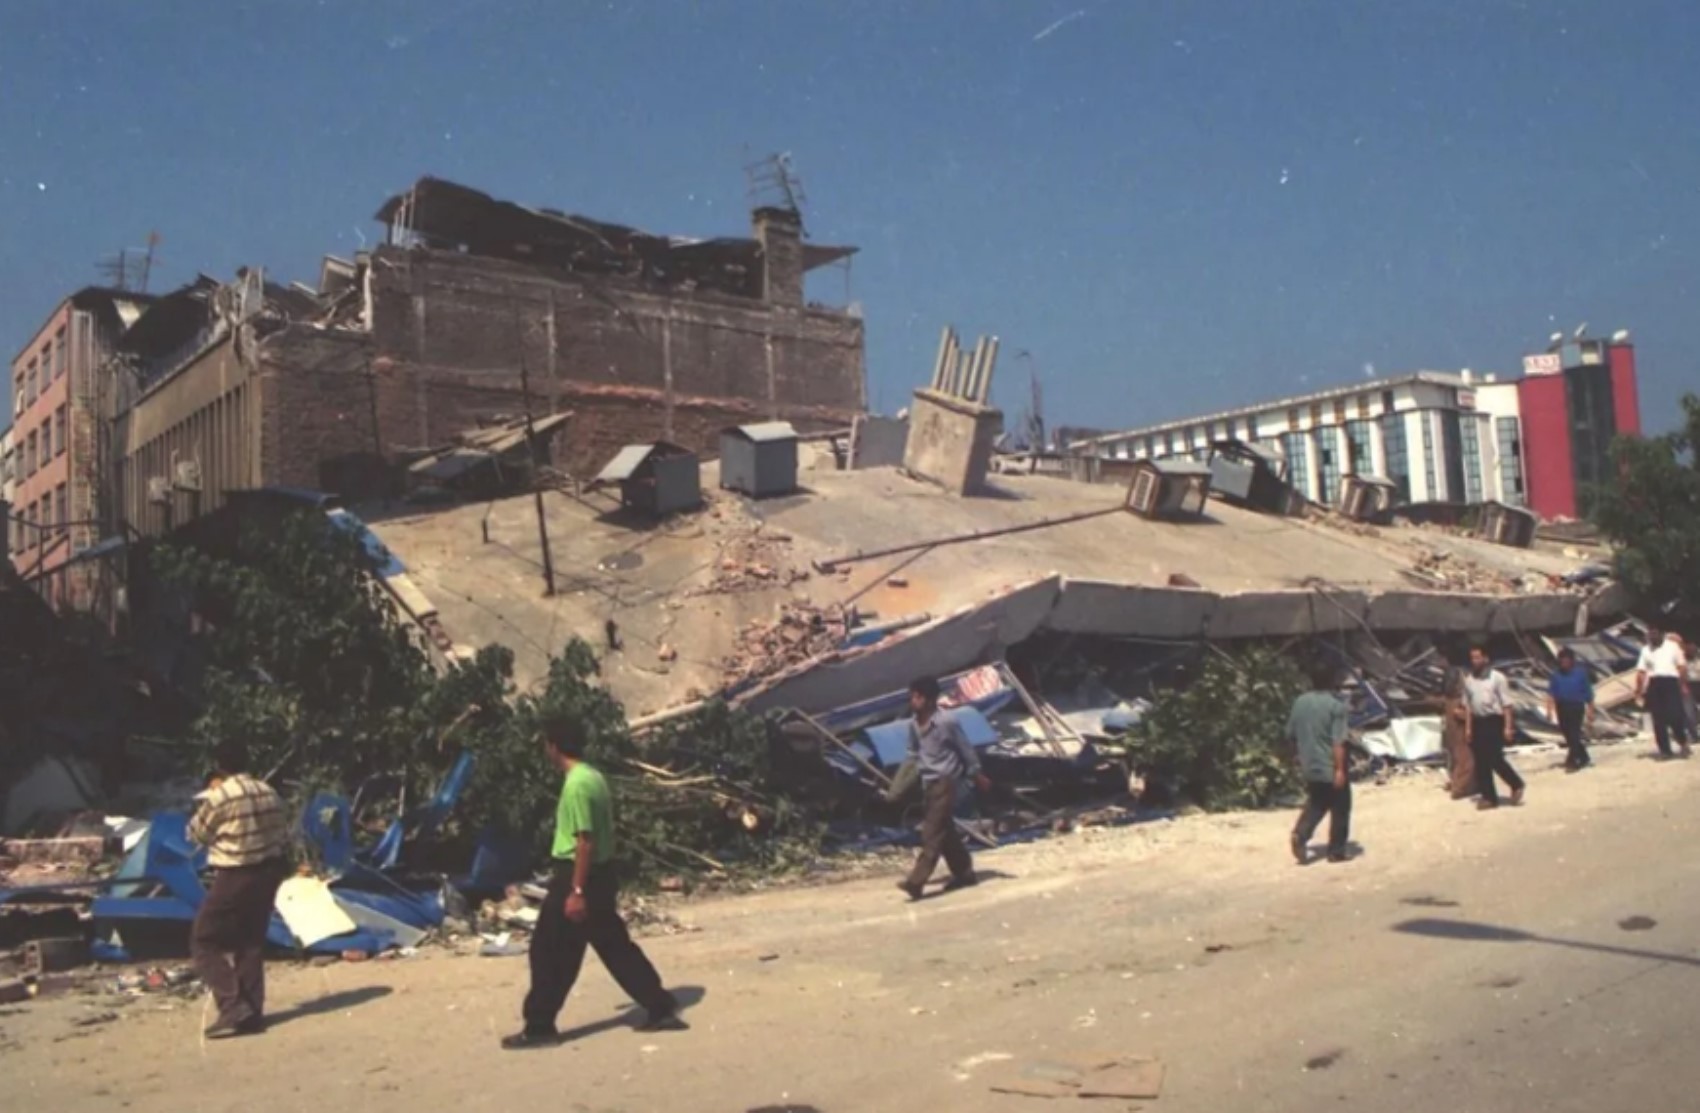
x=1081 y=1076
x=1133 y=1078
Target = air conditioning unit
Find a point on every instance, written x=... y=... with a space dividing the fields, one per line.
x=188 y=475
x=159 y=490
x=1143 y=497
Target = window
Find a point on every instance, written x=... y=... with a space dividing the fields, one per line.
x=17 y=394
x=1363 y=405
x=30 y=458
x=1315 y=414
x=1250 y=428
x=1387 y=401
x=1169 y=443
x=1398 y=453
x=1428 y=457
x=1470 y=442
x=1150 y=447
x=59 y=354
x=59 y=430
x=1298 y=463
x=1510 y=442
x=1339 y=411
x=1360 y=451
x=1293 y=420
x=30 y=383
x=60 y=516
x=1327 y=463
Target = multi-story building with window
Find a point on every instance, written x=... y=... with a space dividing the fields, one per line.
x=1439 y=436
x=60 y=384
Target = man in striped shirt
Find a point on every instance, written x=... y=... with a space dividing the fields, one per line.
x=241 y=822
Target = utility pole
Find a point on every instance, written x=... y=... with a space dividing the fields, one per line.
x=531 y=447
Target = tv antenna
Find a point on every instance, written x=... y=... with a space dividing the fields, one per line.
x=131 y=268
x=775 y=183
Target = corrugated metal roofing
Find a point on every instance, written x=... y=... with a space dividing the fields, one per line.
x=625 y=463
x=766 y=431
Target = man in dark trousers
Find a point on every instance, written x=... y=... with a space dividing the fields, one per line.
x=1570 y=704
x=242 y=823
x=1317 y=728
x=945 y=759
x=582 y=906
x=1660 y=676
x=1488 y=696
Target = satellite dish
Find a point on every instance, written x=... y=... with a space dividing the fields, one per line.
x=1556 y=338
x=1621 y=336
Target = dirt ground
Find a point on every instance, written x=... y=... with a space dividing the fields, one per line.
x=1531 y=958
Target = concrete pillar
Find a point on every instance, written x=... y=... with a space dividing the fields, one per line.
x=780 y=233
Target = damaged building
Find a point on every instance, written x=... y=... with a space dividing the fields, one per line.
x=474 y=311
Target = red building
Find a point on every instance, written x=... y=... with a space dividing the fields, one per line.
x=1574 y=399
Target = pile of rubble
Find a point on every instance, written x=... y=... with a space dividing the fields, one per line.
x=801 y=632
x=1447 y=571
x=754 y=562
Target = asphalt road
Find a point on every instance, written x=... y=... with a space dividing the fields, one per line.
x=1541 y=958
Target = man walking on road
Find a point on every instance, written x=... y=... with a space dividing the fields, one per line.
x=242 y=823
x=1488 y=695
x=945 y=759
x=1570 y=704
x=1659 y=678
x=1317 y=727
x=581 y=908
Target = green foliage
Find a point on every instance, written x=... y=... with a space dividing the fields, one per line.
x=310 y=666
x=1219 y=742
x=1653 y=514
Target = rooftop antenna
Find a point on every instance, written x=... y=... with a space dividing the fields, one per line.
x=1033 y=421
x=1580 y=329
x=774 y=182
x=124 y=271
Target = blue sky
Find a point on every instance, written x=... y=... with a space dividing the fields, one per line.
x=1172 y=206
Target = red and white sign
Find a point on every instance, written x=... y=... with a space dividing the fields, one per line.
x=1547 y=363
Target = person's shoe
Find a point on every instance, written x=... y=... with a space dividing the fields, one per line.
x=229 y=1029
x=966 y=881
x=1517 y=797
x=528 y=1040
x=1301 y=853
x=911 y=888
x=253 y=1026
x=1486 y=805
x=1339 y=856
x=663 y=1019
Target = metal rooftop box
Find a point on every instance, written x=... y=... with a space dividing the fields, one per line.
x=657 y=478
x=759 y=460
x=1169 y=488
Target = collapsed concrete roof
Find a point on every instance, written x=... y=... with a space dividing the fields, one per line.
x=445 y=215
x=681 y=593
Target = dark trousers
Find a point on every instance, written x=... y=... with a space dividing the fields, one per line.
x=1323 y=799
x=1487 y=746
x=939 y=836
x=1670 y=716
x=1570 y=718
x=558 y=945
x=228 y=940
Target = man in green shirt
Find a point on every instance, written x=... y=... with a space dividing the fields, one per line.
x=582 y=906
x=1317 y=728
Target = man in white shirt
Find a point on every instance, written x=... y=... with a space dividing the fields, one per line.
x=1659 y=677
x=1487 y=695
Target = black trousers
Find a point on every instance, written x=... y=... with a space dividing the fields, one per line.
x=558 y=945
x=1323 y=799
x=1571 y=715
x=939 y=835
x=228 y=940
x=1670 y=717
x=1487 y=745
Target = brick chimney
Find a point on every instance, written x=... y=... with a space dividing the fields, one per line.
x=780 y=234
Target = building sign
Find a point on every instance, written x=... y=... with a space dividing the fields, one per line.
x=1547 y=363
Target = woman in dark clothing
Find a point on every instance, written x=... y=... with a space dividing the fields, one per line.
x=1570 y=703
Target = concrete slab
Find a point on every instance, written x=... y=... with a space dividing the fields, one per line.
x=1109 y=609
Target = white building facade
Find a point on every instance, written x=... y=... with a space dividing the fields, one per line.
x=1439 y=436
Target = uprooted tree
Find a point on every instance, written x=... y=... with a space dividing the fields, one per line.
x=1652 y=514
x=1220 y=742
x=308 y=663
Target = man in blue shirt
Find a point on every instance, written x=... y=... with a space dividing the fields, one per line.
x=945 y=759
x=1570 y=703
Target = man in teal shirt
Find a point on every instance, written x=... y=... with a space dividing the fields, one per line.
x=582 y=906
x=1317 y=727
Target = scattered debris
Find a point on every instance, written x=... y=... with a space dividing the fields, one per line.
x=1082 y=1076
x=801 y=632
